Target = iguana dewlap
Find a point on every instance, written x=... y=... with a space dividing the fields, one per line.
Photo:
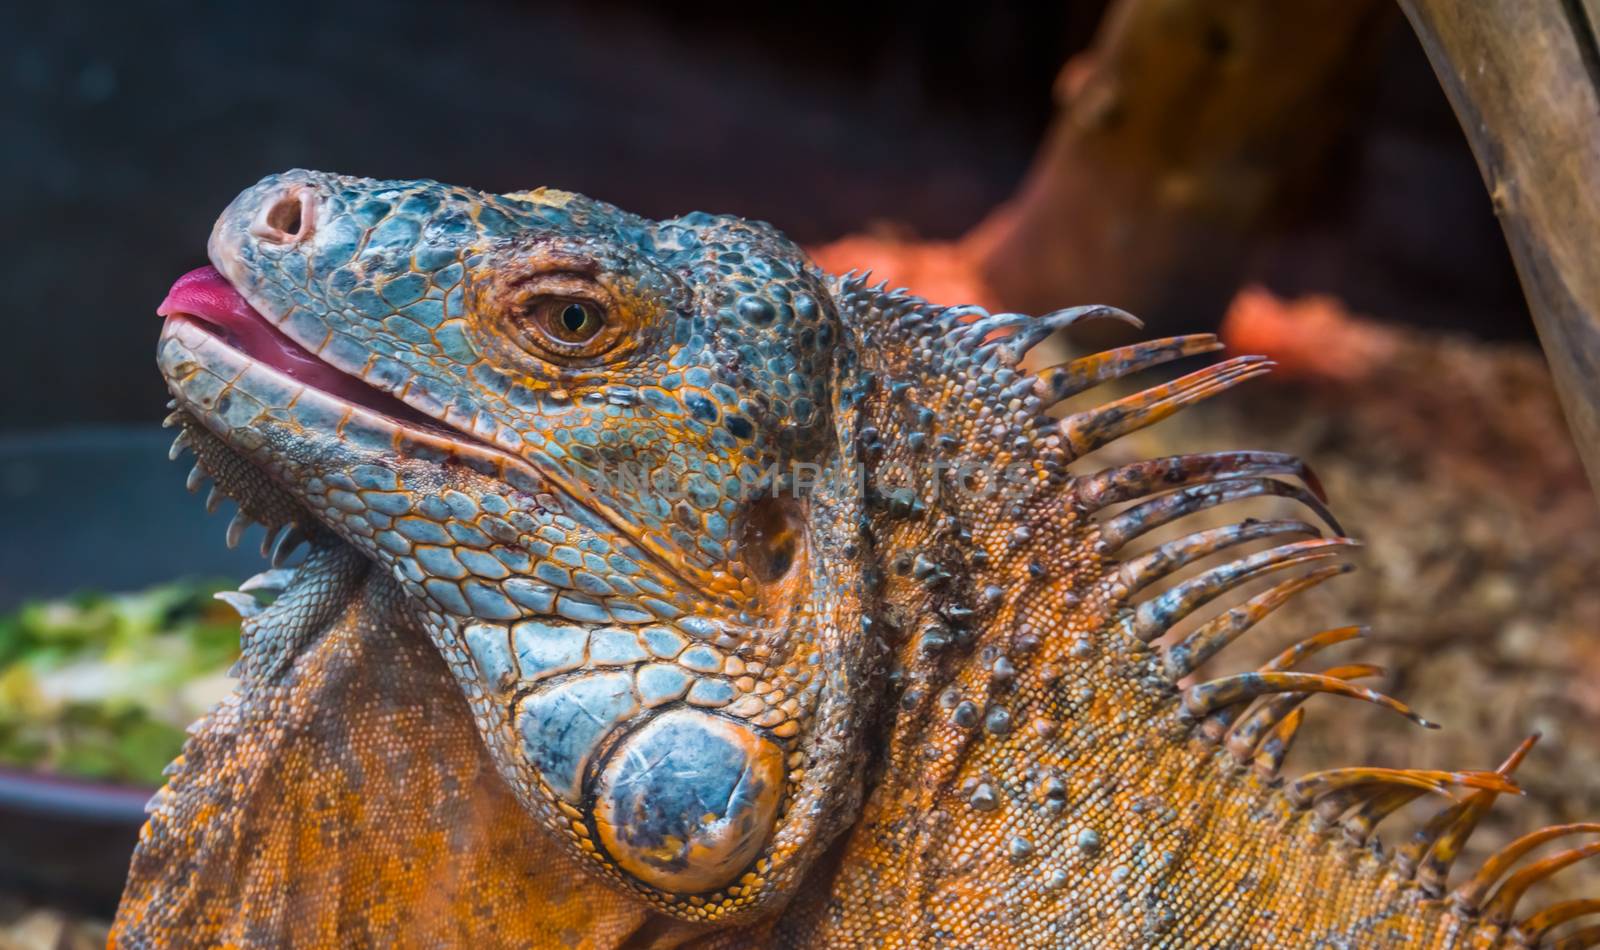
x=662 y=590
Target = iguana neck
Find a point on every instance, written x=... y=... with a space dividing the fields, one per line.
x=1037 y=778
x=348 y=801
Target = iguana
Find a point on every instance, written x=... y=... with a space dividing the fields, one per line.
x=663 y=590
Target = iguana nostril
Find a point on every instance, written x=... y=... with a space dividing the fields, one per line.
x=286 y=219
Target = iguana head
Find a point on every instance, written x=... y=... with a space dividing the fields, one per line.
x=586 y=446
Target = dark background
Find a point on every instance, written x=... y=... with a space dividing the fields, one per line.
x=127 y=127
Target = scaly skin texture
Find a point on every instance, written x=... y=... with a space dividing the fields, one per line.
x=664 y=590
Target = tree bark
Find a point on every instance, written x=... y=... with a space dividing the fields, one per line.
x=1524 y=79
x=1176 y=136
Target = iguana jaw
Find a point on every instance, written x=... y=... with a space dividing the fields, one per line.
x=205 y=297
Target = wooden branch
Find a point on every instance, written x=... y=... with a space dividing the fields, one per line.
x=1175 y=138
x=1524 y=79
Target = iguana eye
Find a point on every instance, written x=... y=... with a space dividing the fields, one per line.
x=565 y=327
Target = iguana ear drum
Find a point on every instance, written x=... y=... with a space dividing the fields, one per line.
x=688 y=801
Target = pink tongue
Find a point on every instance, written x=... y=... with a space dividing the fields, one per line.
x=206 y=295
x=204 y=292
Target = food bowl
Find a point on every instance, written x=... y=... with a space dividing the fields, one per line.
x=91 y=509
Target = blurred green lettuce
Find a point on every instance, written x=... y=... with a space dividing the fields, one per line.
x=101 y=686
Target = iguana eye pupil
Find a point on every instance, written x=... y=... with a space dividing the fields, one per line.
x=575 y=317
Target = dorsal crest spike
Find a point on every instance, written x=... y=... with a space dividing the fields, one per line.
x=1032 y=331
x=1410 y=856
x=1358 y=826
x=1505 y=900
x=1244 y=739
x=1188 y=655
x=1275 y=747
x=1514 y=760
x=1471 y=893
x=1123 y=527
x=1200 y=700
x=1431 y=856
x=1533 y=928
x=1305 y=790
x=1094 y=428
x=1120 y=483
x=1172 y=557
x=1216 y=725
x=1065 y=380
x=1154 y=617
x=1314 y=644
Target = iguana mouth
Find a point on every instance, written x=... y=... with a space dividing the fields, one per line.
x=206 y=298
x=204 y=305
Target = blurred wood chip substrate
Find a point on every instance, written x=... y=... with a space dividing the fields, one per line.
x=25 y=927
